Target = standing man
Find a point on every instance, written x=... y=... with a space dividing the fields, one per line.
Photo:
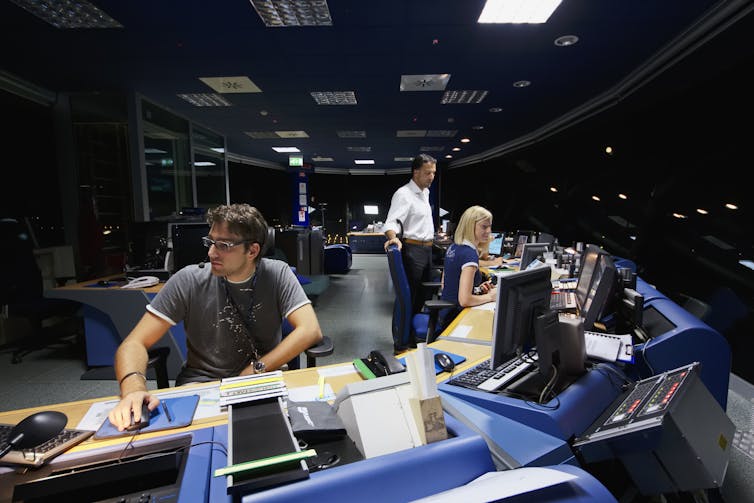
x=232 y=310
x=410 y=205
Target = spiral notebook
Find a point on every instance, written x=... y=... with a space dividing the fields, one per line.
x=181 y=411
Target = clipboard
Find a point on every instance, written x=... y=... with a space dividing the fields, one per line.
x=181 y=409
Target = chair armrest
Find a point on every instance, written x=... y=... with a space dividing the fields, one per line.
x=434 y=307
x=434 y=284
x=325 y=347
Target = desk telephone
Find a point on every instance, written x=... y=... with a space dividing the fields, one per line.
x=381 y=363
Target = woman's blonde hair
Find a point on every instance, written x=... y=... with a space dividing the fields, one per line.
x=467 y=224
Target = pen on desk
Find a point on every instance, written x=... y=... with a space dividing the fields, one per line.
x=167 y=412
x=321 y=386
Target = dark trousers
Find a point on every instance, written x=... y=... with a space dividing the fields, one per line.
x=417 y=260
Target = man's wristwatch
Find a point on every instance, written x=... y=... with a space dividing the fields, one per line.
x=258 y=367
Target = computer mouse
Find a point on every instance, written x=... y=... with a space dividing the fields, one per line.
x=141 y=423
x=445 y=362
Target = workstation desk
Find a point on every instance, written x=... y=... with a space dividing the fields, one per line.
x=405 y=475
x=110 y=313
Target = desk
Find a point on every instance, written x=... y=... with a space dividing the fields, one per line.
x=110 y=313
x=367 y=242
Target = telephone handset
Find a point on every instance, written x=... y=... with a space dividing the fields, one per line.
x=381 y=363
x=142 y=282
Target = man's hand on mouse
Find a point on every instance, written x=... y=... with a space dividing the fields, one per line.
x=120 y=416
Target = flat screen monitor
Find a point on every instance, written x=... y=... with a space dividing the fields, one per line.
x=544 y=237
x=521 y=240
x=588 y=261
x=532 y=252
x=496 y=245
x=521 y=297
x=600 y=291
x=187 y=246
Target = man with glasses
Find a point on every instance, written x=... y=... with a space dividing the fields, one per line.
x=232 y=312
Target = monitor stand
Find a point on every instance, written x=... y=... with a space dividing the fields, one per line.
x=529 y=387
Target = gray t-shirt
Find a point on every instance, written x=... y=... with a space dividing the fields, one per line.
x=215 y=314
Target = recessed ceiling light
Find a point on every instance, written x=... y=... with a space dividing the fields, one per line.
x=731 y=206
x=285 y=149
x=205 y=100
x=596 y=198
x=477 y=128
x=702 y=211
x=287 y=13
x=363 y=161
x=566 y=40
x=465 y=140
x=69 y=13
x=522 y=83
x=456 y=149
x=204 y=163
x=495 y=110
x=517 y=11
x=292 y=134
x=463 y=97
x=553 y=189
x=623 y=196
x=679 y=216
x=448 y=156
x=334 y=97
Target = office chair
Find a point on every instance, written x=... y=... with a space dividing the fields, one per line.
x=325 y=347
x=409 y=327
x=21 y=295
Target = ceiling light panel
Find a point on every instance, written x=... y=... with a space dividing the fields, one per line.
x=352 y=134
x=284 y=150
x=231 y=84
x=359 y=149
x=411 y=133
x=442 y=133
x=363 y=161
x=286 y=13
x=292 y=134
x=206 y=100
x=334 y=97
x=263 y=135
x=433 y=82
x=463 y=97
x=322 y=159
x=67 y=14
x=431 y=149
x=518 y=11
x=403 y=159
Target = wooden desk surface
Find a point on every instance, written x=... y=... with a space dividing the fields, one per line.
x=88 y=285
x=76 y=411
x=480 y=321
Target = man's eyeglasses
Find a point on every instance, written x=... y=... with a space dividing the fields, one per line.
x=222 y=246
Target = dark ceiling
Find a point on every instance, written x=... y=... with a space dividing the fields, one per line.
x=165 y=47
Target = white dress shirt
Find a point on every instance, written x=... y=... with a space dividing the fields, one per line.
x=410 y=205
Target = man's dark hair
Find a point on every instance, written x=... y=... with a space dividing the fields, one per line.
x=242 y=219
x=421 y=159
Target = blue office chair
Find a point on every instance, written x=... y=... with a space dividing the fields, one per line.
x=325 y=347
x=409 y=328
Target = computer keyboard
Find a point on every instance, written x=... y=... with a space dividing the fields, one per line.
x=564 y=299
x=40 y=454
x=482 y=377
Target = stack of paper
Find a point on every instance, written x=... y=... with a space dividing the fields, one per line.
x=252 y=387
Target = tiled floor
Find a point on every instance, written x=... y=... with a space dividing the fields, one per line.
x=355 y=312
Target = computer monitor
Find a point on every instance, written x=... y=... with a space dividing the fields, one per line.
x=600 y=291
x=496 y=245
x=186 y=241
x=521 y=240
x=521 y=297
x=532 y=252
x=544 y=237
x=588 y=261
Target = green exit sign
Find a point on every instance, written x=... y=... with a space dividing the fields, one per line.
x=296 y=160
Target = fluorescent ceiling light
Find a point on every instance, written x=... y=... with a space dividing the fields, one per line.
x=371 y=209
x=69 y=13
x=292 y=134
x=319 y=158
x=285 y=149
x=204 y=163
x=518 y=11
x=219 y=150
x=286 y=13
x=231 y=84
x=334 y=97
x=154 y=151
x=205 y=100
x=363 y=161
x=747 y=263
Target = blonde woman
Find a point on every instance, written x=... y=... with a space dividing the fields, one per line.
x=463 y=283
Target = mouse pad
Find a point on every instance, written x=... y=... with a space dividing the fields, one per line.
x=181 y=411
x=456 y=359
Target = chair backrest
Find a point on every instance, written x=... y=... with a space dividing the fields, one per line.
x=402 y=314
